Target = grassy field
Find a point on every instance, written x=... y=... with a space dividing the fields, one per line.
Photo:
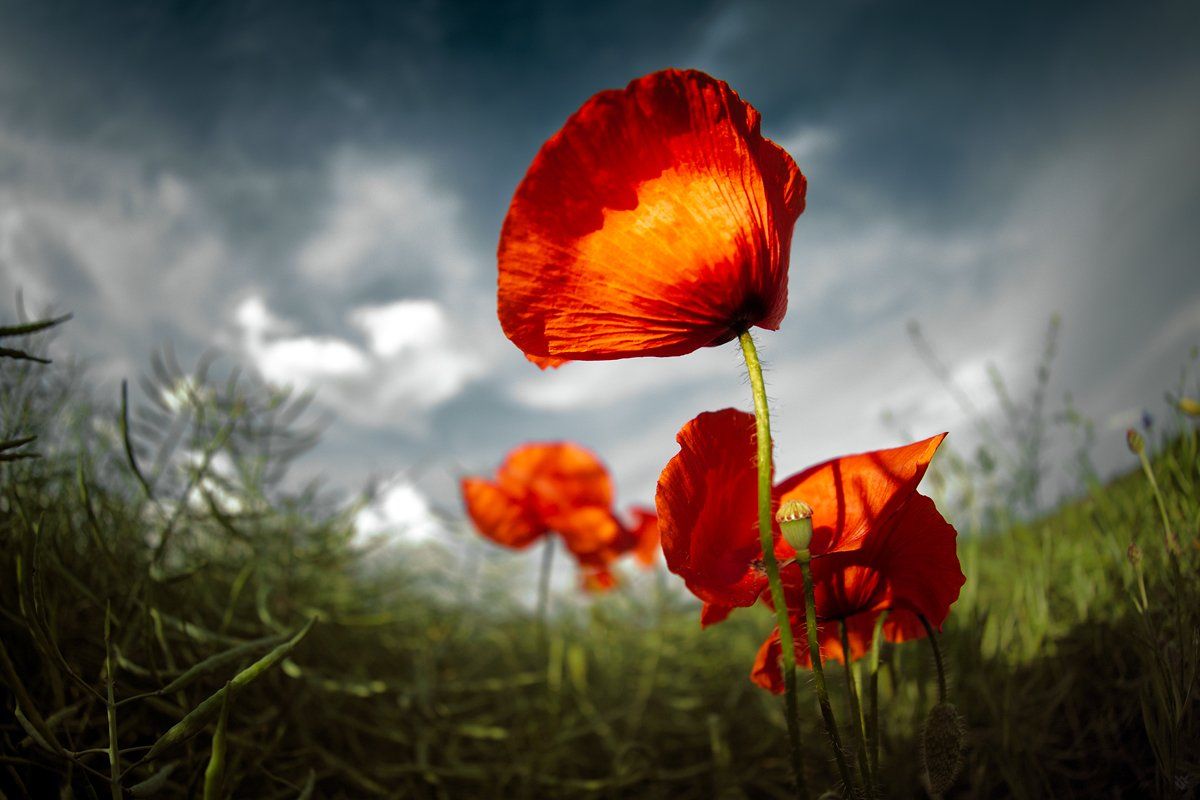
x=174 y=622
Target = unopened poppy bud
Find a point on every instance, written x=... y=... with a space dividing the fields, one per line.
x=1135 y=442
x=795 y=520
x=945 y=734
x=1134 y=554
x=1189 y=406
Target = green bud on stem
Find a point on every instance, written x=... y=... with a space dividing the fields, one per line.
x=795 y=520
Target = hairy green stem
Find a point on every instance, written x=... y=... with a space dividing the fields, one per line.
x=762 y=419
x=937 y=657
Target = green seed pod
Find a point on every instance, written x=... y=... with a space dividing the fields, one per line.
x=1189 y=406
x=795 y=520
x=1134 y=553
x=943 y=741
x=1135 y=441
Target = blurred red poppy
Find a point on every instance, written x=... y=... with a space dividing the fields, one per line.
x=658 y=220
x=541 y=488
x=877 y=543
x=560 y=488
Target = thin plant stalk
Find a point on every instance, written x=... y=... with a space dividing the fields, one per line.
x=931 y=634
x=543 y=598
x=822 y=690
x=873 y=694
x=856 y=716
x=762 y=420
x=114 y=753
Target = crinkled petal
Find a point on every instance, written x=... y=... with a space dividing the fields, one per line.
x=707 y=509
x=658 y=220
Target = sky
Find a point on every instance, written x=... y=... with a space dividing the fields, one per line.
x=316 y=190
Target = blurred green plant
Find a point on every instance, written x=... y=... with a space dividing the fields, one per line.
x=255 y=648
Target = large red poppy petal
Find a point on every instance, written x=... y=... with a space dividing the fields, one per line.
x=707 y=509
x=657 y=220
x=920 y=562
x=854 y=495
x=498 y=515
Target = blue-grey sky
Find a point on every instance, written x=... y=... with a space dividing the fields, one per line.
x=317 y=189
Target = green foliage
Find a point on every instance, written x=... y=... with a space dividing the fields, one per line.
x=420 y=678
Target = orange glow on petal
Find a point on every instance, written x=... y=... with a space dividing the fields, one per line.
x=853 y=495
x=658 y=220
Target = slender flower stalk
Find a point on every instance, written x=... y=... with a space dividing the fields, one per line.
x=856 y=716
x=543 y=597
x=873 y=692
x=814 y=650
x=762 y=421
x=931 y=634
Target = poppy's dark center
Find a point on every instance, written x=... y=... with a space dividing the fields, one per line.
x=752 y=309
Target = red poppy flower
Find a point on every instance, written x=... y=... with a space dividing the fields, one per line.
x=658 y=220
x=541 y=488
x=562 y=488
x=877 y=543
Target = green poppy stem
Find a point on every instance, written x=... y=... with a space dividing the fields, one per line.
x=543 y=598
x=873 y=692
x=762 y=421
x=856 y=715
x=814 y=650
x=937 y=657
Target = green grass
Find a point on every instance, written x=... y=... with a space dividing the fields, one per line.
x=422 y=677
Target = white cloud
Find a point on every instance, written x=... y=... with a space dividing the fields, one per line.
x=126 y=248
x=403 y=325
x=399 y=510
x=412 y=362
